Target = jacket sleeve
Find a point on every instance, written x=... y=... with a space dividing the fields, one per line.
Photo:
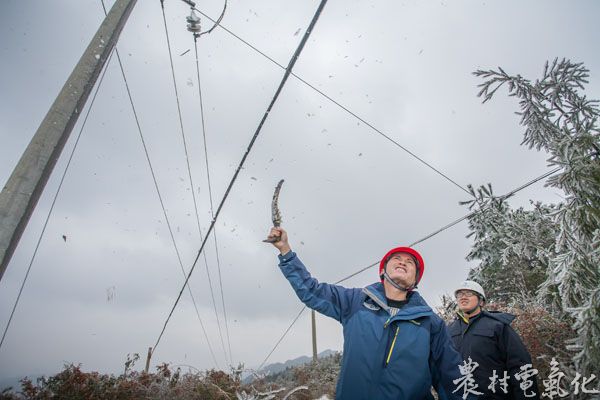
x=516 y=356
x=444 y=361
x=331 y=300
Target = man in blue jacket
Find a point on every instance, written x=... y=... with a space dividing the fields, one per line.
x=395 y=347
x=486 y=337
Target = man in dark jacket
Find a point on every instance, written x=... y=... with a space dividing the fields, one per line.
x=395 y=347
x=486 y=338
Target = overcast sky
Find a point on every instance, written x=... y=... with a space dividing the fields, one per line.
x=350 y=195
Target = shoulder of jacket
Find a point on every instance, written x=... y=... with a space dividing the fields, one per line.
x=436 y=319
x=454 y=327
x=436 y=323
x=501 y=317
x=454 y=322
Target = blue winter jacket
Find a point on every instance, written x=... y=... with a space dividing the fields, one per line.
x=385 y=357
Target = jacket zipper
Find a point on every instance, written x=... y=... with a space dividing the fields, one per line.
x=384 y=306
x=387 y=360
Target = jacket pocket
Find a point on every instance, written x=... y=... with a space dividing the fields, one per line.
x=483 y=344
x=483 y=332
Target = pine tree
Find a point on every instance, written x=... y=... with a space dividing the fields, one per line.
x=559 y=119
x=513 y=246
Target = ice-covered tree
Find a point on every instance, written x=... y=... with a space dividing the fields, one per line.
x=513 y=246
x=559 y=119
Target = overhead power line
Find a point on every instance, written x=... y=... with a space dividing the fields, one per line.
x=281 y=338
x=531 y=182
x=432 y=234
x=189 y=171
x=210 y=195
x=60 y=184
x=162 y=205
x=286 y=75
x=346 y=109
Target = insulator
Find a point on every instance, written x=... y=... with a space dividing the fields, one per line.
x=193 y=22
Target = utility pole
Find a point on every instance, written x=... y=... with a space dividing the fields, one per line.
x=25 y=185
x=314 y=335
x=148 y=357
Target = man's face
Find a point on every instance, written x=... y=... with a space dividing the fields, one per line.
x=466 y=299
x=402 y=269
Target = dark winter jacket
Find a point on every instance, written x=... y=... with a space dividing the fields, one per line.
x=490 y=341
x=385 y=357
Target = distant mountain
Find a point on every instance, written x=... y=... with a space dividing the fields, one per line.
x=13 y=382
x=275 y=368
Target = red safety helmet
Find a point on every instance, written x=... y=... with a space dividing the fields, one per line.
x=408 y=250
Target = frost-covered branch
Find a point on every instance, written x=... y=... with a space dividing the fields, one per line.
x=559 y=119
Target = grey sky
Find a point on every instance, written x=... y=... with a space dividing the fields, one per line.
x=349 y=195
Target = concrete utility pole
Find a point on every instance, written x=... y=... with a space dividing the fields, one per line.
x=25 y=185
x=148 y=357
x=314 y=335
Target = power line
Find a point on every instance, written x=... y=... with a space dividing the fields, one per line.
x=281 y=338
x=346 y=109
x=445 y=227
x=531 y=182
x=161 y=200
x=162 y=205
x=212 y=214
x=187 y=160
x=250 y=145
x=62 y=179
x=217 y=22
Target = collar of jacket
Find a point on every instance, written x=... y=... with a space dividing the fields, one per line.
x=505 y=318
x=466 y=319
x=415 y=308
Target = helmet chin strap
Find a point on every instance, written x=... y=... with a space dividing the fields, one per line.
x=468 y=312
x=394 y=284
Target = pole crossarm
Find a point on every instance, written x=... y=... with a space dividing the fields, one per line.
x=26 y=184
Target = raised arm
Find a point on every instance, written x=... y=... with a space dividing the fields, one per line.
x=331 y=300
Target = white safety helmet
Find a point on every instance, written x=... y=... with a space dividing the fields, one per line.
x=471 y=285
